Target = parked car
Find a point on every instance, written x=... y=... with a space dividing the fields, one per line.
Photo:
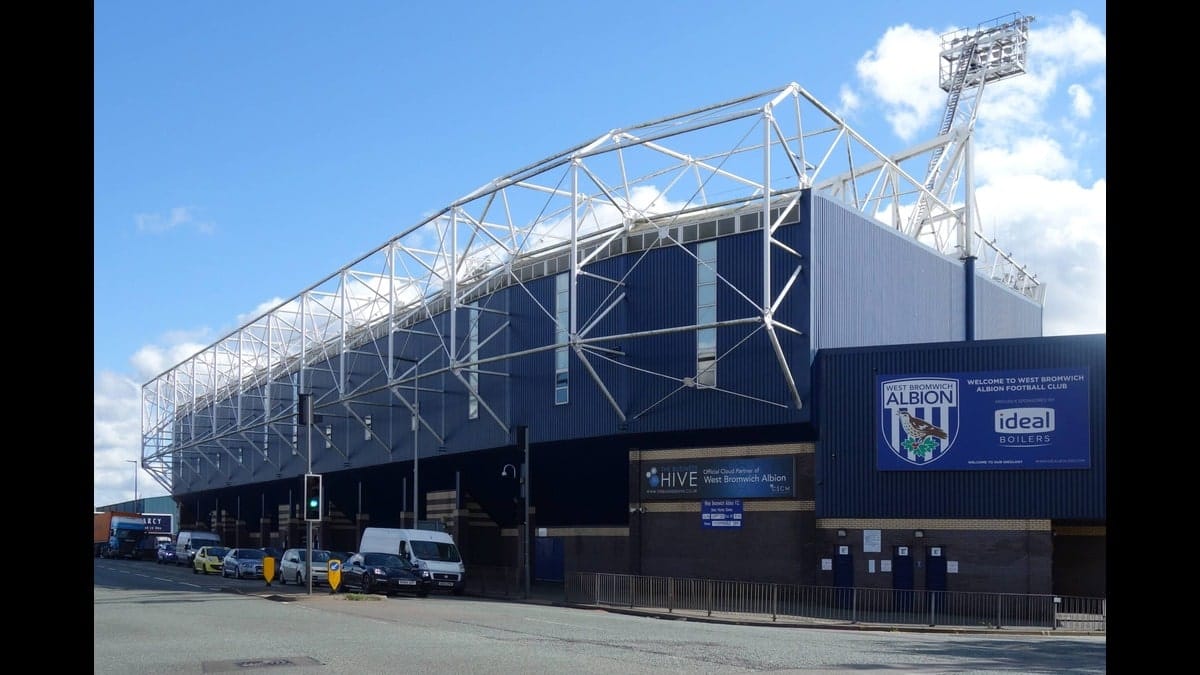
x=384 y=573
x=293 y=567
x=165 y=555
x=243 y=563
x=209 y=559
x=340 y=555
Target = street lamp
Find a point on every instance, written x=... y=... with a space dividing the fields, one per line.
x=510 y=471
x=134 y=462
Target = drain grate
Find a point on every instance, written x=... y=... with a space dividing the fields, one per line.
x=235 y=665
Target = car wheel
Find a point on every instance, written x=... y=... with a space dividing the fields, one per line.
x=459 y=591
x=238 y=574
x=299 y=579
x=195 y=570
x=281 y=579
x=366 y=584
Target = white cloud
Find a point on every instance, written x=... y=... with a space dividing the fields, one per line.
x=850 y=101
x=1081 y=101
x=1070 y=43
x=116 y=440
x=897 y=72
x=1036 y=192
x=155 y=223
x=153 y=360
x=1058 y=230
x=1032 y=154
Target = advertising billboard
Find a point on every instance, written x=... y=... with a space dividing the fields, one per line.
x=1010 y=419
x=742 y=477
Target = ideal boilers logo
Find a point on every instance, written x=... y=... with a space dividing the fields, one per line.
x=919 y=417
x=672 y=479
x=1025 y=427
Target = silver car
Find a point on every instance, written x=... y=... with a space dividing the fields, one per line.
x=293 y=567
x=243 y=563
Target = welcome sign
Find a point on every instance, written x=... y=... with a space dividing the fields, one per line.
x=1017 y=419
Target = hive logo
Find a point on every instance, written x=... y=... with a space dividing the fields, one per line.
x=673 y=479
x=919 y=417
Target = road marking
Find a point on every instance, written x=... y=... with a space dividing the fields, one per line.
x=560 y=623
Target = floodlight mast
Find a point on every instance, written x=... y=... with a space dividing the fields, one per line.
x=970 y=58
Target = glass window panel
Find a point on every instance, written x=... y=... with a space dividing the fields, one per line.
x=706 y=315
x=706 y=294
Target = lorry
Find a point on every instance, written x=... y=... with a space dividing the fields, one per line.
x=116 y=533
x=147 y=545
x=429 y=550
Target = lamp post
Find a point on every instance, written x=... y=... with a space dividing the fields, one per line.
x=134 y=462
x=416 y=429
x=527 y=493
x=508 y=470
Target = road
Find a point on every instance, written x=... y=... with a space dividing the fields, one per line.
x=151 y=618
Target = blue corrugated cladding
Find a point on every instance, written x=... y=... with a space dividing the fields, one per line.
x=1001 y=312
x=876 y=286
x=660 y=293
x=850 y=486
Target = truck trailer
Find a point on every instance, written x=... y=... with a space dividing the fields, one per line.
x=116 y=534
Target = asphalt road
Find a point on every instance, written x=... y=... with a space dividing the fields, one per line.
x=151 y=618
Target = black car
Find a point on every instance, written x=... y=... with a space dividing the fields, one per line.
x=384 y=573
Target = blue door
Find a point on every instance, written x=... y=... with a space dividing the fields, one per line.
x=902 y=579
x=935 y=580
x=548 y=559
x=843 y=577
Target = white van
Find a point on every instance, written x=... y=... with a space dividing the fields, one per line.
x=427 y=549
x=190 y=541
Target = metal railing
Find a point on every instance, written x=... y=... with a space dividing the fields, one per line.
x=712 y=597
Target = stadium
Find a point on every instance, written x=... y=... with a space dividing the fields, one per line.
x=740 y=342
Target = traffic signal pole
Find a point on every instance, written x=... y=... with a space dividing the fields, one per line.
x=308 y=523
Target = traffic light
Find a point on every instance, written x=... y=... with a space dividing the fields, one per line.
x=313 y=499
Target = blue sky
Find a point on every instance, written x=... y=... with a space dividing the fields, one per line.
x=244 y=151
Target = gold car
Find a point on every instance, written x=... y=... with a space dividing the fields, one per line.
x=208 y=559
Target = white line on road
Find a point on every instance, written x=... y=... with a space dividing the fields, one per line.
x=560 y=623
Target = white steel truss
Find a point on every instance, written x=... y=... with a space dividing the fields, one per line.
x=749 y=155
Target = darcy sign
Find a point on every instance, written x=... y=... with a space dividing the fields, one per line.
x=744 y=477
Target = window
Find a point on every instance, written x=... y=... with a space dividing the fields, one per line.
x=562 y=324
x=472 y=349
x=706 y=313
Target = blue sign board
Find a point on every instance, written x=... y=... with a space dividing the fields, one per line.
x=721 y=513
x=159 y=523
x=742 y=477
x=1011 y=419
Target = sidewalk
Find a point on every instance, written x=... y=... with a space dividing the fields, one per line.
x=552 y=594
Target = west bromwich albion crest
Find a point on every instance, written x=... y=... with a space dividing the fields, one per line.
x=919 y=417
